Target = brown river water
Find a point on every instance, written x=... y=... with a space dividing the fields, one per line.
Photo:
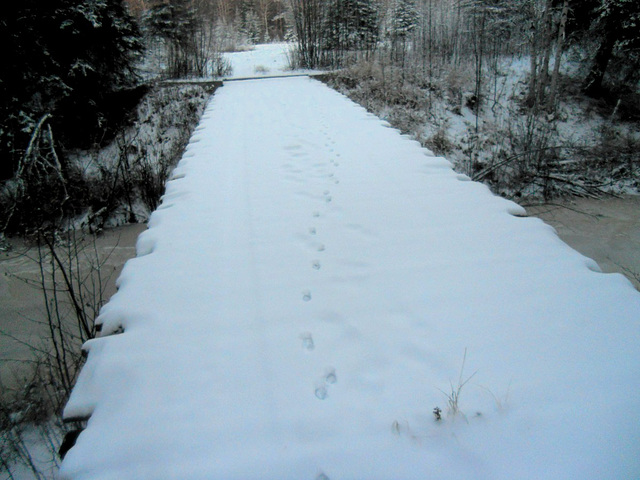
x=606 y=230
x=22 y=304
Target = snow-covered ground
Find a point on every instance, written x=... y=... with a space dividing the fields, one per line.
x=579 y=150
x=314 y=284
x=262 y=61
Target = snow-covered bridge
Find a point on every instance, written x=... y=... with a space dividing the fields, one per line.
x=304 y=297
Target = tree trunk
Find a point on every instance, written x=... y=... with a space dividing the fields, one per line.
x=592 y=86
x=533 y=77
x=543 y=76
x=478 y=50
x=553 y=90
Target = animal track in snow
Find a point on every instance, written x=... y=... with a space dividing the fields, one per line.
x=316 y=265
x=307 y=341
x=322 y=388
x=306 y=296
x=331 y=377
x=321 y=392
x=292 y=148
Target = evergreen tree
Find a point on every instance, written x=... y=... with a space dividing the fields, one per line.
x=175 y=23
x=351 y=25
x=249 y=23
x=616 y=25
x=404 y=18
x=62 y=57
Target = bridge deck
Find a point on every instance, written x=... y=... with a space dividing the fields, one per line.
x=311 y=283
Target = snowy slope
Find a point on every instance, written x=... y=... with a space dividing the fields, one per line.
x=307 y=290
x=262 y=61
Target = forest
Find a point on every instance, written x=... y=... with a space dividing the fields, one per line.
x=538 y=99
x=76 y=70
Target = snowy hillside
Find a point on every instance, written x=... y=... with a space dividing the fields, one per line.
x=314 y=285
x=262 y=61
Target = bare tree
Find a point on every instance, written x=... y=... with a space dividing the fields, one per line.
x=309 y=18
x=560 y=42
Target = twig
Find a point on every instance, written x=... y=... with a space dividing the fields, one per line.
x=453 y=398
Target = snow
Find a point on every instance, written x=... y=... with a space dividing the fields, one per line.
x=39 y=446
x=307 y=291
x=262 y=61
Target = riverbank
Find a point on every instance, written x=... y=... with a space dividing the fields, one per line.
x=22 y=309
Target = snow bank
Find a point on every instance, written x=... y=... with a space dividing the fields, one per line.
x=268 y=60
x=306 y=293
x=263 y=60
